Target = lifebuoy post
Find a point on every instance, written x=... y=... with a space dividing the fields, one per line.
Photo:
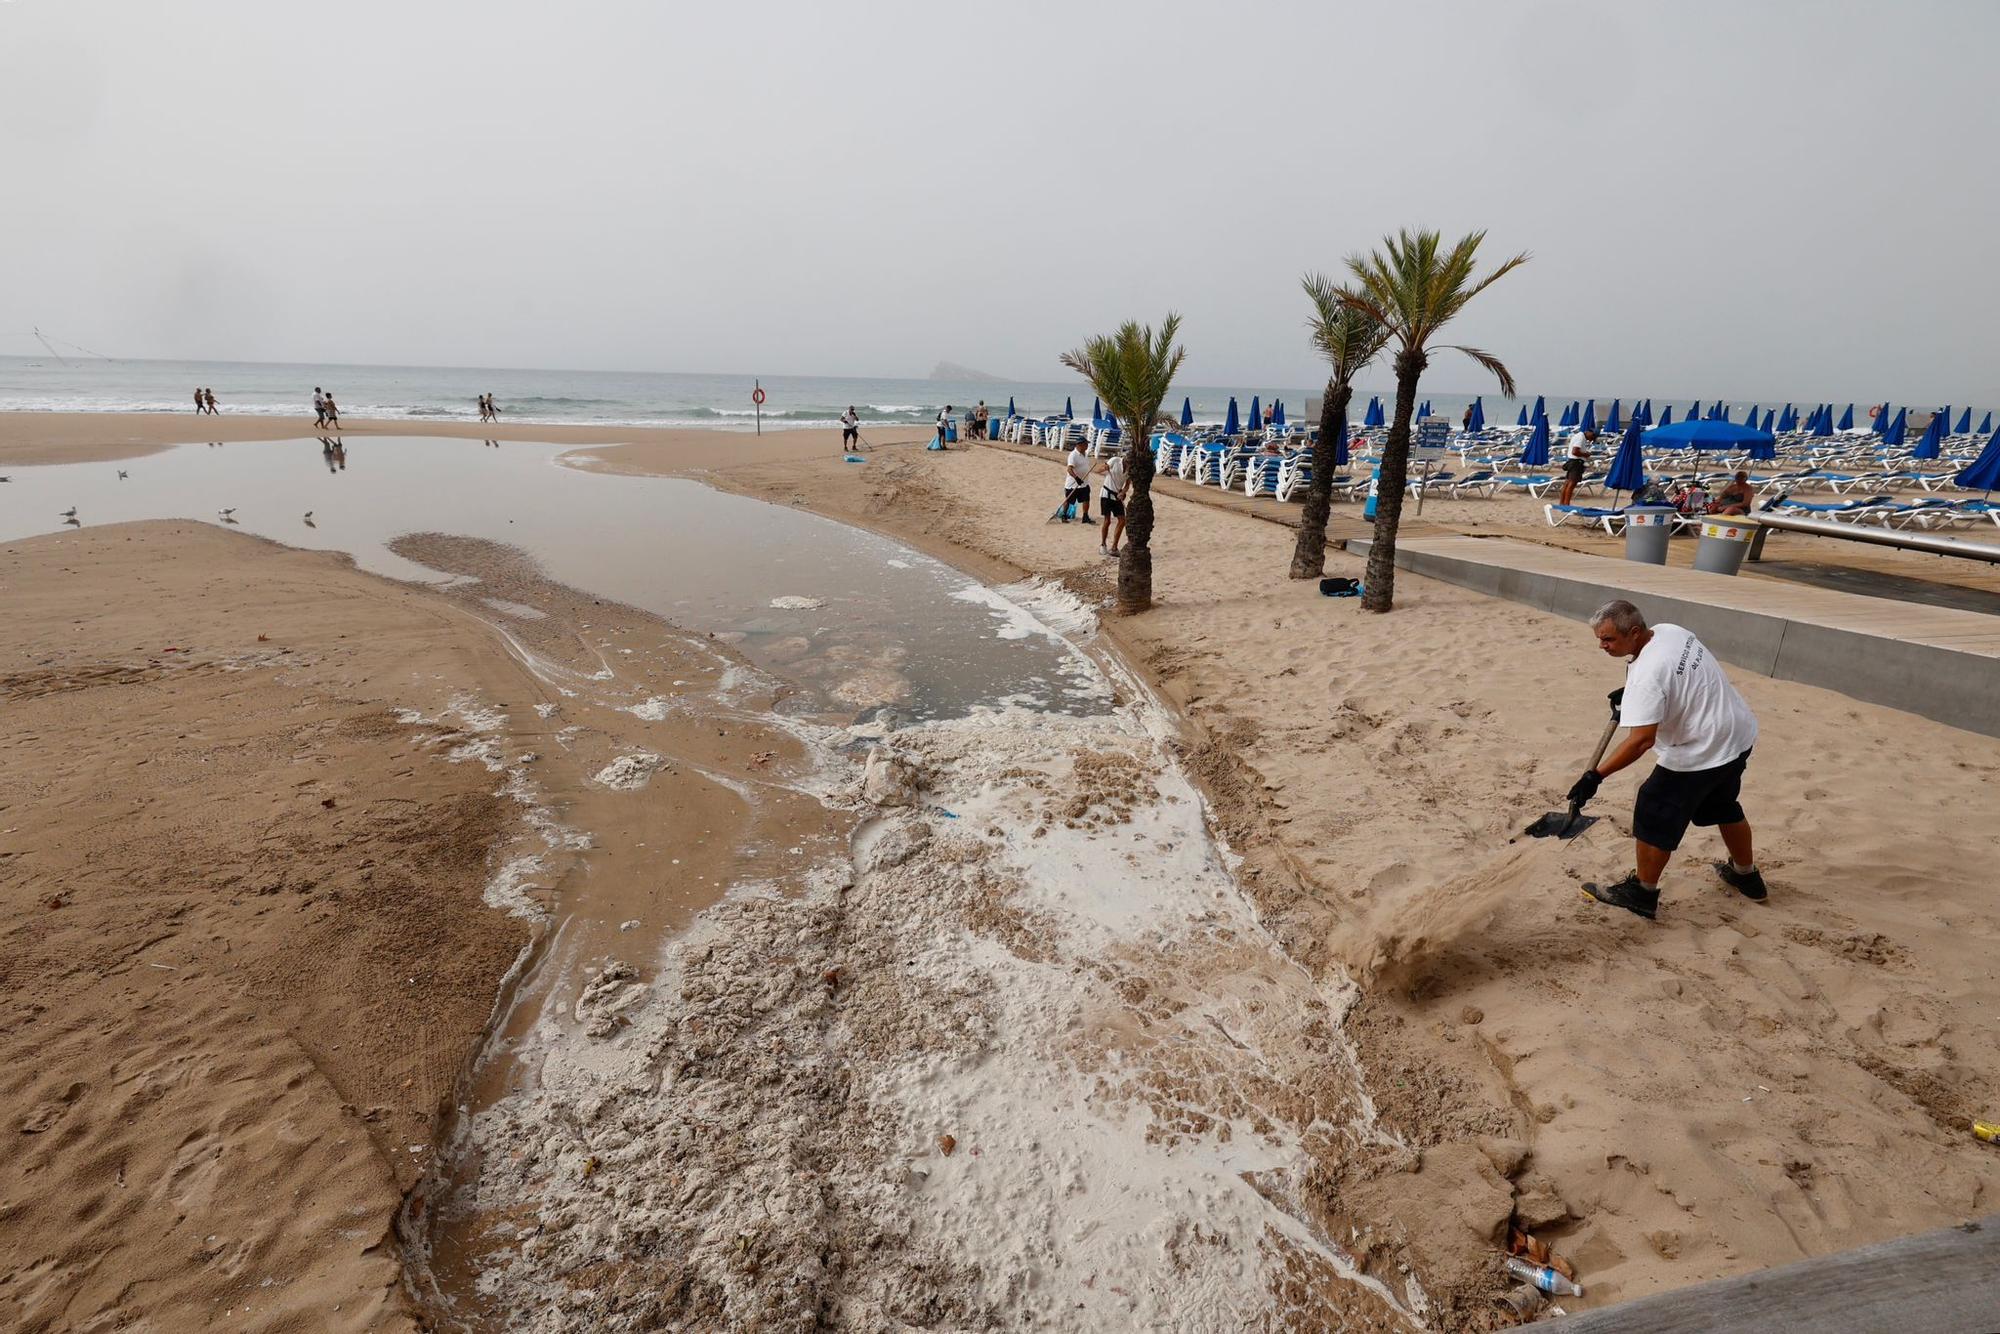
x=757 y=397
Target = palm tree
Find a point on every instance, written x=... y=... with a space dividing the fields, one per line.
x=1349 y=338
x=1131 y=370
x=1412 y=292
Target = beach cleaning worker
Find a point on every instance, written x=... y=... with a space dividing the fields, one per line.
x=1679 y=705
x=1576 y=457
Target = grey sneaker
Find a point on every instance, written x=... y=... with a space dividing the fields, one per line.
x=1750 y=884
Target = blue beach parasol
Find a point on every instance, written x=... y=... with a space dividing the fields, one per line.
x=1883 y=421
x=1986 y=423
x=1278 y=413
x=1770 y=415
x=1611 y=419
x=1373 y=417
x=1667 y=415
x=1541 y=408
x=1069 y=409
x=1984 y=472
x=1187 y=412
x=1536 y=453
x=1964 y=423
x=1931 y=445
x=1846 y=419
x=1340 y=445
x=1824 y=426
x=1709 y=435
x=1522 y=420
x=1096 y=410
x=1628 y=469
x=1589 y=422
x=1479 y=413
x=1893 y=437
x=1231 y=424
x=1010 y=407
x=1256 y=414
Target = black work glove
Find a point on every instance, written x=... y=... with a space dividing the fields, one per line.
x=1586 y=787
x=1617 y=698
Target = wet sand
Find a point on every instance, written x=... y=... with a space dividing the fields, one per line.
x=1806 y=1070
x=1804 y=1063
x=274 y=836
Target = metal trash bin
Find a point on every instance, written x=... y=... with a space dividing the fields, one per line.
x=1647 y=528
x=1724 y=542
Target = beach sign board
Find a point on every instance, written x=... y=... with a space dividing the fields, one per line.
x=1433 y=435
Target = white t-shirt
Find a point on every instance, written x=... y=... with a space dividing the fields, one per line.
x=849 y=419
x=1077 y=467
x=1579 y=446
x=1114 y=475
x=1677 y=683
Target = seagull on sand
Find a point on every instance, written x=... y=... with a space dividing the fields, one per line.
x=122 y=474
x=228 y=512
x=309 y=516
x=69 y=513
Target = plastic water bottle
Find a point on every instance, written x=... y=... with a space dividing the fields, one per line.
x=1542 y=1276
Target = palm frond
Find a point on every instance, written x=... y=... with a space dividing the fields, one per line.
x=1491 y=363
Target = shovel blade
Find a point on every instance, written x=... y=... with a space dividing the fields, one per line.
x=1560 y=824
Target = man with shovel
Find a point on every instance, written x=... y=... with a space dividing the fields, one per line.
x=1678 y=704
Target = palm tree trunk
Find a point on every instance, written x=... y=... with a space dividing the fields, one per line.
x=1379 y=593
x=1135 y=563
x=1309 y=555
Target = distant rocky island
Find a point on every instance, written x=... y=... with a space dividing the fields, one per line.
x=957 y=374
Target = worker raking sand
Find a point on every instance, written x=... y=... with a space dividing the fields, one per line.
x=1679 y=705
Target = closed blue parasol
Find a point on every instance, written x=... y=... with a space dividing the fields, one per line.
x=1893 y=437
x=1256 y=413
x=1986 y=423
x=1374 y=414
x=1187 y=412
x=1278 y=413
x=1770 y=416
x=1984 y=474
x=1522 y=420
x=1589 y=422
x=1010 y=407
x=1612 y=421
x=1628 y=469
x=1568 y=418
x=1069 y=408
x=1846 y=419
x=1883 y=421
x=1931 y=445
x=1479 y=414
x=1231 y=424
x=1541 y=408
x=1096 y=410
x=1536 y=454
x=1824 y=426
x=1964 y=423
x=1667 y=415
x=1790 y=420
x=1340 y=445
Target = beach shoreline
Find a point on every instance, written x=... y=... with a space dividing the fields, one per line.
x=1368 y=771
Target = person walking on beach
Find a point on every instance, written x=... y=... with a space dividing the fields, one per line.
x=943 y=418
x=850 y=428
x=1076 y=472
x=979 y=421
x=492 y=408
x=319 y=408
x=332 y=412
x=199 y=406
x=1111 y=505
x=1678 y=704
x=209 y=396
x=1575 y=459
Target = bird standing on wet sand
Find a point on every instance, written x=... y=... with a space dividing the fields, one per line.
x=309 y=516
x=228 y=515
x=122 y=474
x=69 y=513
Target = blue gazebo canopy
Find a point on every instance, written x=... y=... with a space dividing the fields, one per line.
x=1709 y=435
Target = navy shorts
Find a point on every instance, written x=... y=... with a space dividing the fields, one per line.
x=1110 y=506
x=1671 y=799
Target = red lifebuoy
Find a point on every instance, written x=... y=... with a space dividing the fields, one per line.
x=757 y=396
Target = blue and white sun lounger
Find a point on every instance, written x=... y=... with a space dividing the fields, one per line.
x=1588 y=516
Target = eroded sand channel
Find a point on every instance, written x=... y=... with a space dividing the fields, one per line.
x=977 y=1032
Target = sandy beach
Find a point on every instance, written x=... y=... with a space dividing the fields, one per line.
x=1369 y=1035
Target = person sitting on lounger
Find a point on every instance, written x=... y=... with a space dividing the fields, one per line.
x=1736 y=498
x=1691 y=498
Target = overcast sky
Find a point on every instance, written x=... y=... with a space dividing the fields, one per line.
x=1736 y=199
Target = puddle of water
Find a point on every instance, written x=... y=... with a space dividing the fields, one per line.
x=858 y=620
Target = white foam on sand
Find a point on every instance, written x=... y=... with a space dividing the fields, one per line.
x=629 y=772
x=793 y=602
x=1037 y=961
x=654 y=709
